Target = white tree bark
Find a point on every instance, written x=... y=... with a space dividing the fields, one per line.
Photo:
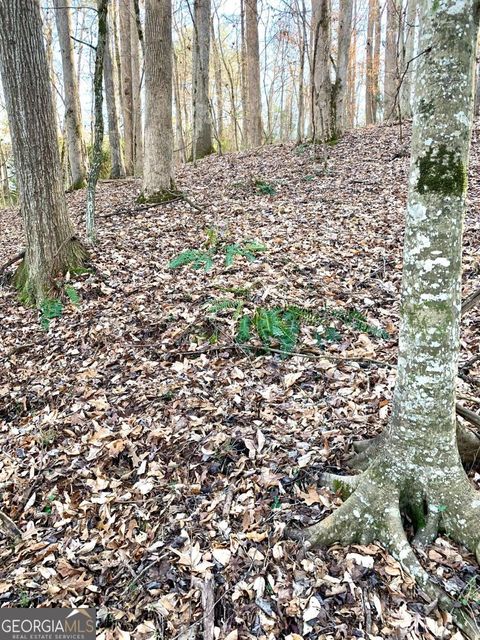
x=157 y=170
x=391 y=75
x=125 y=9
x=136 y=98
x=418 y=463
x=73 y=116
x=118 y=169
x=343 y=57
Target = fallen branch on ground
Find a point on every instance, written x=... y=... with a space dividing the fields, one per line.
x=13 y=260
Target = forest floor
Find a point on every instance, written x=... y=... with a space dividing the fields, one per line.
x=144 y=448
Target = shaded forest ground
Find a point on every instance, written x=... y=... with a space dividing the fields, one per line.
x=143 y=447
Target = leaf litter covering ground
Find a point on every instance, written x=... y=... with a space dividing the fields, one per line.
x=137 y=469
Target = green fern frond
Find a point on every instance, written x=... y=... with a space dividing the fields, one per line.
x=244 y=332
x=195 y=257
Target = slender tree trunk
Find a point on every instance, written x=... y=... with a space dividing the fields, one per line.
x=125 y=7
x=217 y=69
x=243 y=68
x=324 y=103
x=102 y=12
x=370 y=89
x=73 y=117
x=136 y=96
x=157 y=176
x=391 y=80
x=343 y=51
x=418 y=465
x=202 y=121
x=118 y=169
x=254 y=101
x=408 y=64
x=51 y=249
x=376 y=61
x=302 y=34
x=4 y=182
x=352 y=75
x=179 y=140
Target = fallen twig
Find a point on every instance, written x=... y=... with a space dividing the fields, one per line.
x=138 y=210
x=13 y=260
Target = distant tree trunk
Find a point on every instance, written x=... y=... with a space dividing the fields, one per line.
x=324 y=104
x=73 y=117
x=391 y=61
x=180 y=152
x=254 y=101
x=408 y=63
x=127 y=90
x=202 y=122
x=243 y=68
x=343 y=51
x=136 y=97
x=51 y=248
x=370 y=89
x=352 y=76
x=217 y=69
x=102 y=8
x=302 y=32
x=157 y=175
x=118 y=169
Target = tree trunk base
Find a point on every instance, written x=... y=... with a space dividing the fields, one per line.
x=467 y=441
x=33 y=285
x=372 y=512
x=159 y=197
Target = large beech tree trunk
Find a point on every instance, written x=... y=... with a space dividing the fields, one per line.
x=118 y=169
x=51 y=249
x=125 y=9
x=418 y=465
x=73 y=117
x=157 y=169
x=254 y=100
x=202 y=123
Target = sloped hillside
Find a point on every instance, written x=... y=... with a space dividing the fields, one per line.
x=146 y=445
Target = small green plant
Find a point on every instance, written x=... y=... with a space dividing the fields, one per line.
x=199 y=258
x=49 y=309
x=248 y=250
x=72 y=294
x=280 y=327
x=470 y=594
x=24 y=600
x=263 y=187
x=195 y=257
x=48 y=503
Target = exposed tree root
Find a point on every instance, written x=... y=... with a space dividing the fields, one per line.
x=373 y=513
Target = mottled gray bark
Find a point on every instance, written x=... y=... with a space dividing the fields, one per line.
x=136 y=97
x=408 y=62
x=343 y=56
x=418 y=464
x=391 y=75
x=202 y=122
x=73 y=117
x=157 y=174
x=371 y=91
x=51 y=249
x=118 y=169
x=323 y=93
x=254 y=100
x=125 y=8
x=102 y=12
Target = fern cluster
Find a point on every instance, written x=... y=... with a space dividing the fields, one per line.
x=280 y=327
x=204 y=258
